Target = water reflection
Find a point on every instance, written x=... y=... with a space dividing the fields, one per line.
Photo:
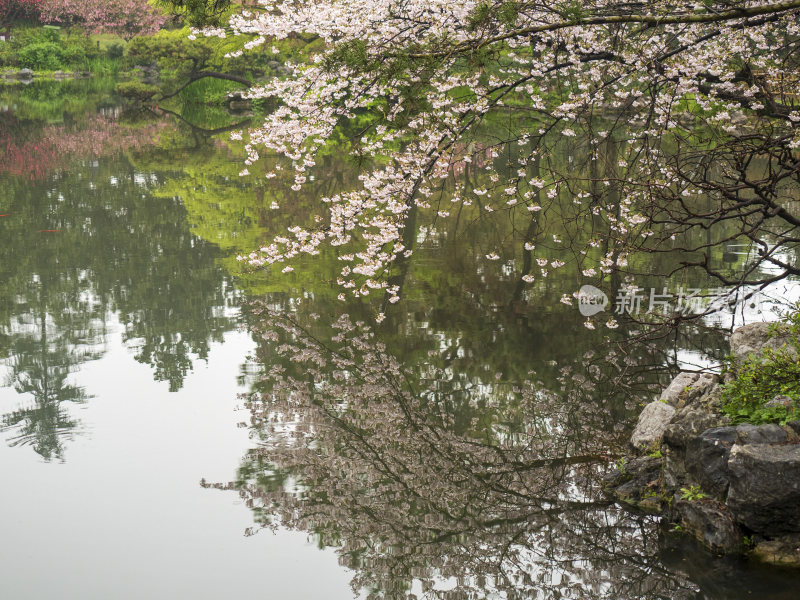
x=439 y=484
x=426 y=449
x=44 y=353
x=83 y=243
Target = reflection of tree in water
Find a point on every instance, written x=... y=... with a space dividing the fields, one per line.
x=477 y=488
x=44 y=354
x=80 y=247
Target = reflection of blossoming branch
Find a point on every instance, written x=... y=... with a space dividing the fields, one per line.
x=416 y=479
x=58 y=145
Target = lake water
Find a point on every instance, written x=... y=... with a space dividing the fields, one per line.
x=174 y=425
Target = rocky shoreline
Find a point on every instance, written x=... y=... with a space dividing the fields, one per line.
x=735 y=488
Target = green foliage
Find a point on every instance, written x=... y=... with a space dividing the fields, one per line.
x=692 y=493
x=198 y=12
x=178 y=57
x=103 y=66
x=571 y=11
x=115 y=50
x=508 y=13
x=26 y=36
x=136 y=90
x=171 y=50
x=208 y=91
x=48 y=49
x=74 y=55
x=351 y=54
x=46 y=56
x=761 y=378
x=479 y=17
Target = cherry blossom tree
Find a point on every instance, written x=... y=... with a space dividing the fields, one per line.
x=124 y=17
x=11 y=10
x=677 y=118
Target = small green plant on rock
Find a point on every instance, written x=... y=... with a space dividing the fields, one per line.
x=692 y=493
x=764 y=376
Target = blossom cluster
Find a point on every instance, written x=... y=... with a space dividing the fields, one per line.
x=632 y=88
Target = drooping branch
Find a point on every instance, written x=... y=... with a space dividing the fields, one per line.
x=212 y=74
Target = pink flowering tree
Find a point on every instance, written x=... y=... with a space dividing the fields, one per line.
x=659 y=126
x=127 y=18
x=12 y=10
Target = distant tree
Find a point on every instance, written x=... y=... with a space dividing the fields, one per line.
x=127 y=18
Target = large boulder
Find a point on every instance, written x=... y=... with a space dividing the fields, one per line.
x=706 y=459
x=707 y=454
x=704 y=391
x=764 y=491
x=688 y=423
x=755 y=337
x=763 y=434
x=651 y=424
x=677 y=387
x=711 y=523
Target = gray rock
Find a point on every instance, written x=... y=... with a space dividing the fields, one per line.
x=761 y=434
x=753 y=338
x=239 y=105
x=704 y=386
x=706 y=459
x=780 y=401
x=686 y=424
x=764 y=491
x=675 y=390
x=60 y=75
x=24 y=74
x=711 y=523
x=651 y=424
x=632 y=480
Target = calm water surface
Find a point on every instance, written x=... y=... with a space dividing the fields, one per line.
x=175 y=426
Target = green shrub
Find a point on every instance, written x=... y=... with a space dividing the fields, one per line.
x=761 y=378
x=79 y=48
x=115 y=51
x=27 y=36
x=47 y=56
x=74 y=55
x=8 y=58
